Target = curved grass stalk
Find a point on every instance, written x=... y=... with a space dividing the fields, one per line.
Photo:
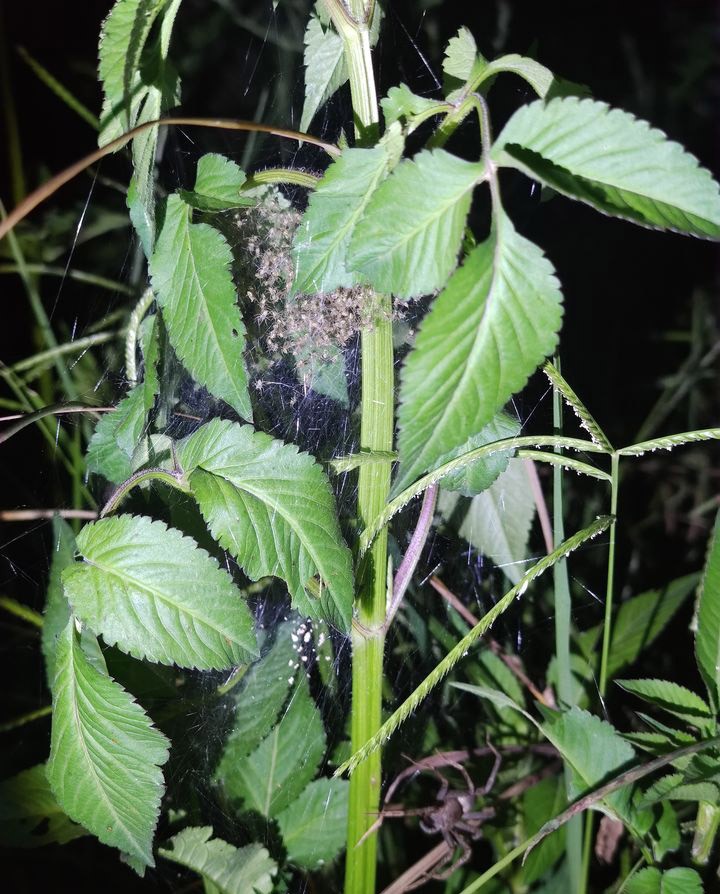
x=572 y=465
x=174 y=479
x=62 y=93
x=504 y=446
x=51 y=186
x=587 y=421
x=669 y=442
x=41 y=359
x=102 y=282
x=460 y=650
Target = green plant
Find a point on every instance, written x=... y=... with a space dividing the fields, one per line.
x=378 y=227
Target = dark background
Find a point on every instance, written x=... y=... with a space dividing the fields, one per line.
x=630 y=293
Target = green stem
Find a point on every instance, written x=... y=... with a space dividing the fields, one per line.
x=376 y=434
x=174 y=479
x=282 y=175
x=562 y=647
x=607 y=628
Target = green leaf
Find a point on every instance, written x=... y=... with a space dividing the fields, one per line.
x=327 y=377
x=613 y=162
x=104 y=455
x=497 y=521
x=157 y=595
x=105 y=754
x=707 y=637
x=217 y=185
x=401 y=102
x=409 y=238
x=673 y=786
x=462 y=61
x=321 y=241
x=233 y=870
x=313 y=826
x=273 y=776
x=57 y=610
x=673 y=698
x=325 y=68
x=639 y=622
x=593 y=750
x=272 y=508
x=264 y=691
x=486 y=333
x=29 y=814
x=538 y=76
x=191 y=278
x=478 y=476
x=680 y=880
x=122 y=40
x=541 y=803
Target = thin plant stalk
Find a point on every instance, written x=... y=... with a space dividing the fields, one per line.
x=561 y=591
x=607 y=627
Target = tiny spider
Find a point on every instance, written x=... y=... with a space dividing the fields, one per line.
x=453 y=817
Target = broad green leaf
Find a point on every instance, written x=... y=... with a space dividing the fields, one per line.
x=104 y=455
x=478 y=476
x=313 y=826
x=325 y=68
x=613 y=162
x=273 y=776
x=408 y=240
x=680 y=880
x=462 y=60
x=538 y=76
x=639 y=622
x=217 y=185
x=674 y=786
x=485 y=334
x=593 y=750
x=105 y=754
x=541 y=803
x=272 y=508
x=29 y=814
x=401 y=102
x=57 y=610
x=497 y=521
x=264 y=691
x=244 y=870
x=673 y=698
x=707 y=636
x=321 y=241
x=191 y=278
x=157 y=595
x=328 y=378
x=122 y=40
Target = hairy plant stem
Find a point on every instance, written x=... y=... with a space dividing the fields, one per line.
x=376 y=434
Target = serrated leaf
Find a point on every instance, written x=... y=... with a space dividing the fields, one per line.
x=673 y=698
x=613 y=162
x=673 y=786
x=313 y=826
x=122 y=39
x=272 y=508
x=538 y=76
x=401 y=102
x=217 y=185
x=233 y=870
x=540 y=803
x=325 y=68
x=477 y=477
x=191 y=278
x=274 y=775
x=639 y=622
x=29 y=814
x=157 y=595
x=104 y=455
x=408 y=240
x=57 y=610
x=593 y=750
x=497 y=521
x=680 y=880
x=105 y=754
x=462 y=60
x=707 y=636
x=485 y=334
x=321 y=241
x=264 y=690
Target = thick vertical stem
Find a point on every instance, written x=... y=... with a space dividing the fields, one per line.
x=376 y=433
